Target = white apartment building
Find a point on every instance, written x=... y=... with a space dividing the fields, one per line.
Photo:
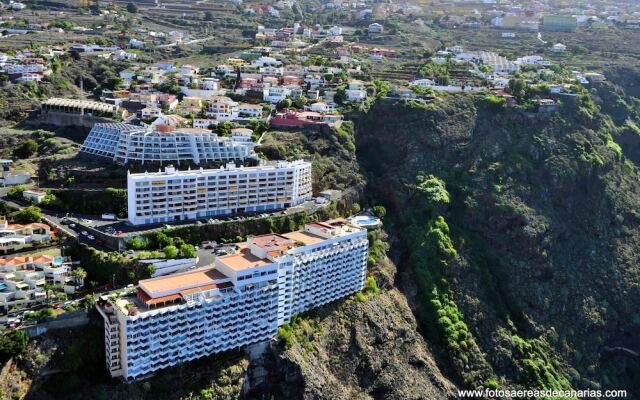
x=174 y=195
x=124 y=143
x=242 y=300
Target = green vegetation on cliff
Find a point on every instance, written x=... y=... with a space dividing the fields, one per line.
x=518 y=229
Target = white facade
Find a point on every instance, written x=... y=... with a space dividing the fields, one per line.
x=35 y=195
x=356 y=94
x=182 y=195
x=22 y=279
x=250 y=110
x=15 y=236
x=125 y=143
x=242 y=300
x=275 y=94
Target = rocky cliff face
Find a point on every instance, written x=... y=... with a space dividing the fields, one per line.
x=367 y=349
x=544 y=218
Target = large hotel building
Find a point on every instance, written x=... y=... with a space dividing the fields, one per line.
x=173 y=195
x=241 y=300
x=125 y=143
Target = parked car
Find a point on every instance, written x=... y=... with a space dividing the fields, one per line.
x=91 y=237
x=72 y=225
x=84 y=233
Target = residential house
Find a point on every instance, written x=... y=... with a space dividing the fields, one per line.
x=15 y=236
x=375 y=28
x=246 y=110
x=34 y=195
x=222 y=108
x=275 y=94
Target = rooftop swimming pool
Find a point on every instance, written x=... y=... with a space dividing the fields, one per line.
x=58 y=261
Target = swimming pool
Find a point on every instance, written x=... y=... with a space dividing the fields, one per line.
x=365 y=220
x=58 y=261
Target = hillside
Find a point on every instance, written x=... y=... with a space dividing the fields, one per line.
x=508 y=259
x=519 y=234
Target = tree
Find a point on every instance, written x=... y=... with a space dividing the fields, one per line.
x=132 y=8
x=208 y=16
x=48 y=287
x=170 y=251
x=341 y=96
x=517 y=88
x=27 y=215
x=286 y=103
x=187 y=251
x=89 y=301
x=158 y=240
x=149 y=270
x=114 y=82
x=26 y=149
x=380 y=211
x=136 y=243
x=300 y=102
x=79 y=275
x=224 y=128
x=13 y=343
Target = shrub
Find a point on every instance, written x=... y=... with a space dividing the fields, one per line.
x=13 y=343
x=285 y=335
x=371 y=286
x=170 y=251
x=26 y=149
x=187 y=251
x=27 y=215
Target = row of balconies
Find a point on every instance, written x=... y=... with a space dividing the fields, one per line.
x=169 y=327
x=163 y=348
x=223 y=314
x=145 y=366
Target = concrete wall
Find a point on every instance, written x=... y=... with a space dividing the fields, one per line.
x=63 y=119
x=64 y=321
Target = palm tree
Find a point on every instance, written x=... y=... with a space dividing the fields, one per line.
x=48 y=287
x=79 y=275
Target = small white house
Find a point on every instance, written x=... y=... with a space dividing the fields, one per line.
x=375 y=28
x=559 y=48
x=150 y=112
x=34 y=195
x=321 y=107
x=356 y=94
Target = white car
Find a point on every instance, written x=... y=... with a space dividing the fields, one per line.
x=84 y=233
x=72 y=225
x=91 y=237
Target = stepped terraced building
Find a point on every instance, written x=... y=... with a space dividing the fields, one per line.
x=125 y=143
x=22 y=279
x=242 y=300
x=174 y=195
